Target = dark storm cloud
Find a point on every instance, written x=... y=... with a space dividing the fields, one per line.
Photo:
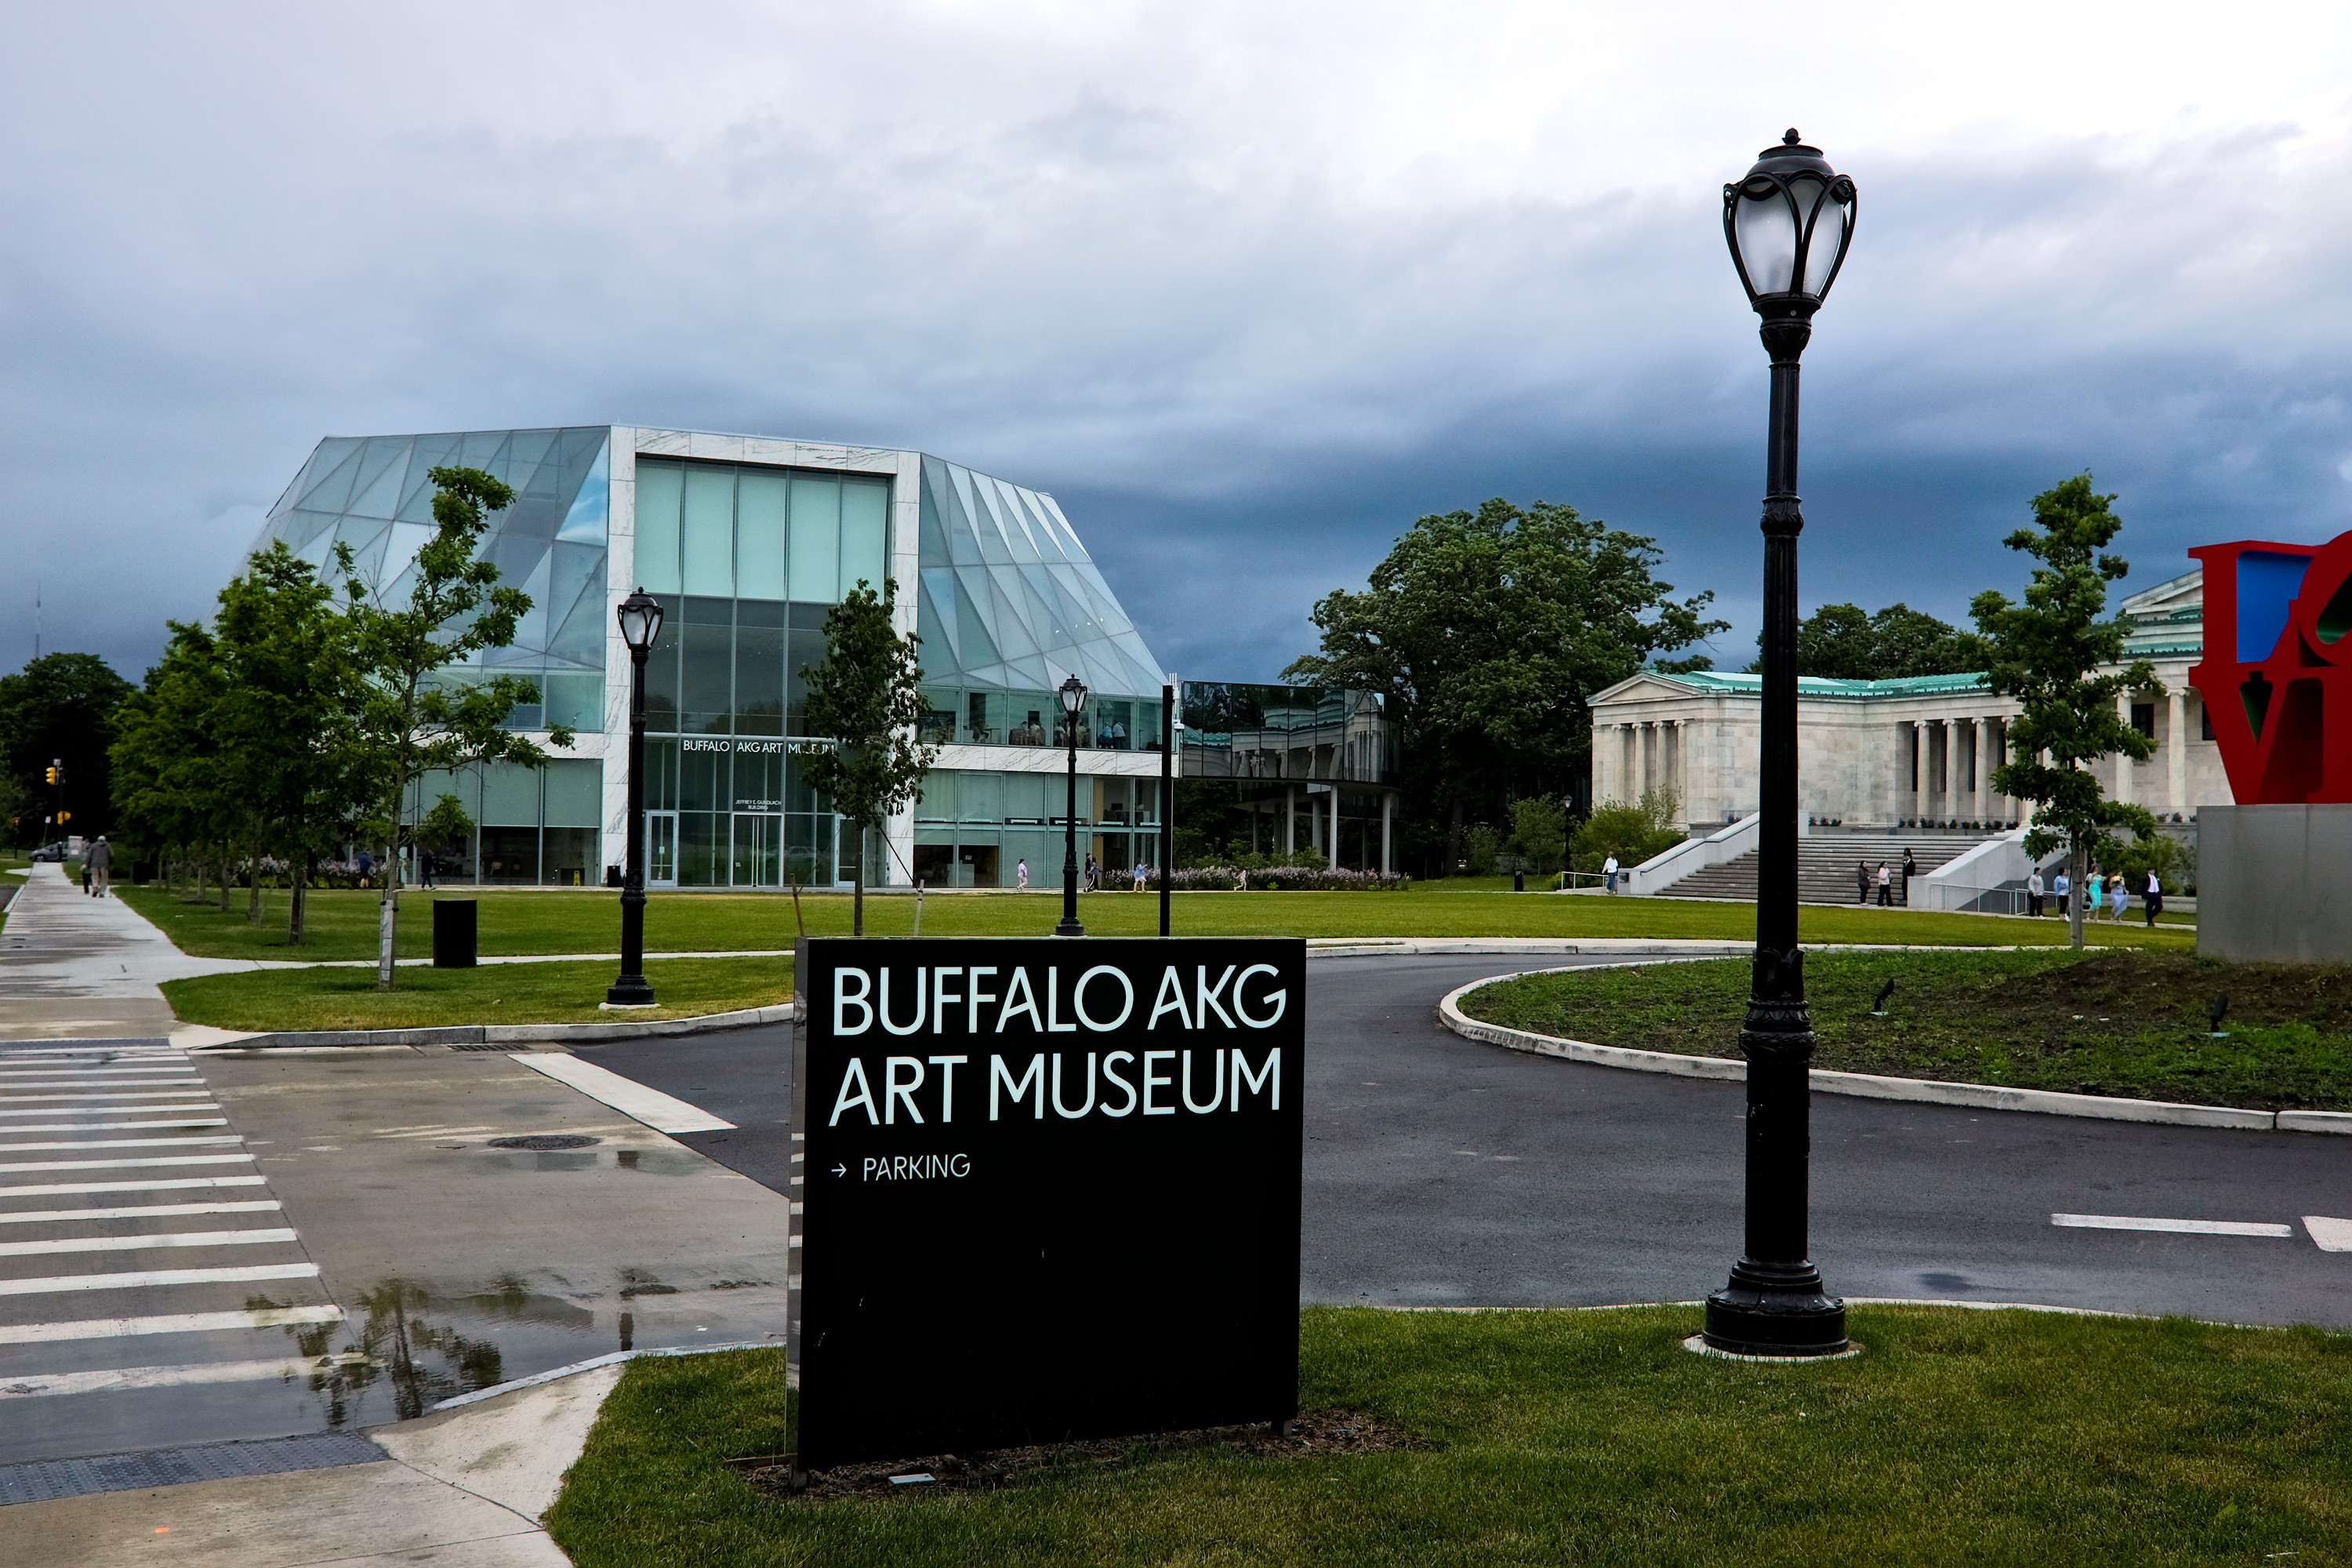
x=1241 y=372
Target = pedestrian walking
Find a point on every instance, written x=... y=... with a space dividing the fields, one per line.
x=1910 y=870
x=1094 y=874
x=1886 y=886
x=1862 y=881
x=1021 y=875
x=367 y=869
x=85 y=872
x=1608 y=874
x=99 y=863
x=2119 y=895
x=2061 y=887
x=2153 y=897
x=2094 y=893
x=2033 y=892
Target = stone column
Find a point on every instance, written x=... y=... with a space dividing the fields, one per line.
x=2122 y=790
x=1333 y=842
x=1289 y=818
x=2175 y=750
x=1388 y=816
x=1991 y=752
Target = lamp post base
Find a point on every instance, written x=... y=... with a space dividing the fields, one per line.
x=1775 y=1310
x=630 y=990
x=1069 y=928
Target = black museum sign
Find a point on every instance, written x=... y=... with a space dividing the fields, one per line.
x=1048 y=1190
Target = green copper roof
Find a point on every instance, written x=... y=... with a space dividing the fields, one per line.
x=1815 y=686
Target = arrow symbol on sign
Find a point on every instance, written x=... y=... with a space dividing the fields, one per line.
x=841 y=1170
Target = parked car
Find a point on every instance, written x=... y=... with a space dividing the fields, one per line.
x=56 y=852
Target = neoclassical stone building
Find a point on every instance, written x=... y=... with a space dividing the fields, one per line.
x=1879 y=752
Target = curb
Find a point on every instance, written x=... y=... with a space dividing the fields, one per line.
x=1870 y=1086
x=554 y=1373
x=508 y=1034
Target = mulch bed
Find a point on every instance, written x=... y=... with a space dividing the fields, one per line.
x=1315 y=1432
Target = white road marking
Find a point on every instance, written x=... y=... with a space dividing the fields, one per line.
x=153 y=1184
x=2184 y=1226
x=168 y=1323
x=121 y=1164
x=184 y=1083
x=27 y=1386
x=141 y=1243
x=99 y=1075
x=441 y=1132
x=129 y=1094
x=109 y=1110
x=141 y=1211
x=655 y=1110
x=159 y=1276
x=2332 y=1235
x=115 y=1126
x=119 y=1144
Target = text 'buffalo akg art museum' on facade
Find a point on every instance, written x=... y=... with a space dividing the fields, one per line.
x=748 y=542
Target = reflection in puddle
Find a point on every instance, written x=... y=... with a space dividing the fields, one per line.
x=649 y=1161
x=407 y=1343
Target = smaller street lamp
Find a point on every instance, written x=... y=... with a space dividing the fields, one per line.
x=1073 y=694
x=640 y=617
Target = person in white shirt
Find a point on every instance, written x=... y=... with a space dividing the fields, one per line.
x=1609 y=871
x=2033 y=893
x=2153 y=896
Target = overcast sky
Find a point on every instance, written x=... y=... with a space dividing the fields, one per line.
x=1247 y=286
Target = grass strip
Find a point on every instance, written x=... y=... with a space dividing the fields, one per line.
x=338 y=998
x=1583 y=1437
x=2127 y=1024
x=524 y=922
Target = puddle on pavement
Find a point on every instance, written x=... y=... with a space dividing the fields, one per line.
x=646 y=1162
x=408 y=1349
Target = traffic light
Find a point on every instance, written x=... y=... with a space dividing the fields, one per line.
x=65 y=816
x=53 y=775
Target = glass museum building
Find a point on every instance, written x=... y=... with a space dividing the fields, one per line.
x=748 y=542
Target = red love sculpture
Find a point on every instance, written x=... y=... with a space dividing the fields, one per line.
x=2276 y=676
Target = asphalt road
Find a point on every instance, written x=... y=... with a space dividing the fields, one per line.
x=1441 y=1171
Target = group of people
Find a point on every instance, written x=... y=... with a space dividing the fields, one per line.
x=1864 y=880
x=97 y=867
x=2108 y=887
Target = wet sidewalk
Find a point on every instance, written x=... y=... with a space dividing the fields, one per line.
x=73 y=968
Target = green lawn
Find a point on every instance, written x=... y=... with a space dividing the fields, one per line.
x=1583 y=1437
x=525 y=921
x=2131 y=1023
x=493 y=994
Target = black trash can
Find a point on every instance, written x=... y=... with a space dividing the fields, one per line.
x=1518 y=881
x=452 y=933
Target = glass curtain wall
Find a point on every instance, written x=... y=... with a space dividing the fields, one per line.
x=746 y=560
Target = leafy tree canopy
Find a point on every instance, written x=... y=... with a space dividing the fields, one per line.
x=62 y=705
x=2045 y=651
x=1488 y=633
x=1844 y=642
x=867 y=697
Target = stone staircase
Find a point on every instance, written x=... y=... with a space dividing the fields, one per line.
x=1825 y=860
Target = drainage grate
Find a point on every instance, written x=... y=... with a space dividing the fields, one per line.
x=546 y=1140
x=478 y=1046
x=46 y=1480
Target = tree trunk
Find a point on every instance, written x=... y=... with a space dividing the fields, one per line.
x=253 y=886
x=2076 y=864
x=857 y=896
x=387 y=922
x=299 y=880
x=1453 y=838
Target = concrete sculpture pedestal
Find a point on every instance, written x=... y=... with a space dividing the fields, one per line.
x=2274 y=883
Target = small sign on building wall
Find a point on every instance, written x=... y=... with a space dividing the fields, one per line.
x=1049 y=1190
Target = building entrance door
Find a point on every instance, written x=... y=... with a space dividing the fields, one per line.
x=661 y=849
x=759 y=839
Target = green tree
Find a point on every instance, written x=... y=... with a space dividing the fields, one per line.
x=1632 y=832
x=865 y=697
x=2045 y=653
x=61 y=705
x=1843 y=642
x=285 y=720
x=1538 y=832
x=166 y=771
x=414 y=715
x=1488 y=633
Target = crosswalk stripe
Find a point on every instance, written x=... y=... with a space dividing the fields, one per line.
x=121 y=1164
x=167 y=1323
x=139 y=1211
x=116 y=1380
x=116 y=1083
x=118 y=1143
x=115 y=1126
x=144 y=1094
x=249 y=1274
x=107 y=1110
x=142 y=1243
x=94 y=1074
x=151 y=1184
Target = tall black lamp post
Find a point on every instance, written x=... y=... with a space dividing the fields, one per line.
x=1073 y=694
x=1787 y=223
x=641 y=619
